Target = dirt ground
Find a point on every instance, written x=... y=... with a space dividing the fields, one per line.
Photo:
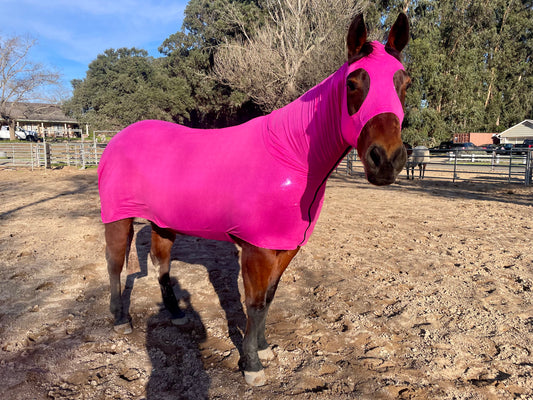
x=420 y=290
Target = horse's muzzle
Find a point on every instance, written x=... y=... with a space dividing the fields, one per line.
x=382 y=168
x=381 y=149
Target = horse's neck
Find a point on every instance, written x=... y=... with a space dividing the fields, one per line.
x=309 y=129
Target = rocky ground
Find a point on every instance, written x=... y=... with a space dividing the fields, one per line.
x=420 y=290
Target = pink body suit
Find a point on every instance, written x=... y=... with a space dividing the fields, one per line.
x=262 y=181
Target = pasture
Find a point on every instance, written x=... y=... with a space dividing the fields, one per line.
x=414 y=291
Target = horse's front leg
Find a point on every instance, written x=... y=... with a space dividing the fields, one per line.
x=261 y=272
x=162 y=241
x=118 y=237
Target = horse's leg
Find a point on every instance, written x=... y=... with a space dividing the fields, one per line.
x=118 y=236
x=162 y=241
x=261 y=272
x=423 y=171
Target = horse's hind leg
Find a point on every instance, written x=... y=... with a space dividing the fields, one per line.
x=261 y=272
x=118 y=237
x=162 y=241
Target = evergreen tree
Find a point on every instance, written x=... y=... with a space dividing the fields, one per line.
x=124 y=86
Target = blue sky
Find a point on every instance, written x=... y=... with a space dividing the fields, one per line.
x=71 y=33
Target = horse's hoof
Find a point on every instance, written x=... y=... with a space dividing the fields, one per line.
x=179 y=321
x=266 y=354
x=255 y=378
x=123 y=329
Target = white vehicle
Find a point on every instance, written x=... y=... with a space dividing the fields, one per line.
x=19 y=134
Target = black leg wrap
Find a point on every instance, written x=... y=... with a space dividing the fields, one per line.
x=250 y=360
x=169 y=298
x=250 y=363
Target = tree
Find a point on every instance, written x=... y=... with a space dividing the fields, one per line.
x=190 y=52
x=20 y=78
x=300 y=43
x=470 y=62
x=124 y=86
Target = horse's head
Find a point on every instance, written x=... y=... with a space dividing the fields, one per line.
x=375 y=92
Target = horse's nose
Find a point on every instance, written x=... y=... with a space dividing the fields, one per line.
x=383 y=166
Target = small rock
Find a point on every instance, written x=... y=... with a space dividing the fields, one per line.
x=130 y=374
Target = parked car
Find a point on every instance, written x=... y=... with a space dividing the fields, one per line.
x=522 y=148
x=505 y=148
x=489 y=148
x=443 y=147
x=466 y=147
x=20 y=134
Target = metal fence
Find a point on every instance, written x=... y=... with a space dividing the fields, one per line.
x=515 y=167
x=50 y=154
x=462 y=165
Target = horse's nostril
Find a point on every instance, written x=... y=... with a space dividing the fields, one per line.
x=375 y=156
x=399 y=158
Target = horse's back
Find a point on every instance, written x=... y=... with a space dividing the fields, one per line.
x=420 y=155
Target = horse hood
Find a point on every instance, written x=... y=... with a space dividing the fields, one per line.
x=382 y=96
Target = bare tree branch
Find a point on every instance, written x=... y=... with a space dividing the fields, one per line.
x=20 y=78
x=300 y=44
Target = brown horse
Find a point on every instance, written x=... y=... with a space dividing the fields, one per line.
x=378 y=144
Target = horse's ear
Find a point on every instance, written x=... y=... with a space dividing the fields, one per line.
x=356 y=36
x=399 y=33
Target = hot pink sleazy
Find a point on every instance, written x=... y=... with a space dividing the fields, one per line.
x=262 y=181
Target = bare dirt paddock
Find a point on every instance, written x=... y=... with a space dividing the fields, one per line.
x=419 y=290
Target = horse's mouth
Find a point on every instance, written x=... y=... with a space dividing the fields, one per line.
x=382 y=169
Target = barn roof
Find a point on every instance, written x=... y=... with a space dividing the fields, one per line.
x=523 y=129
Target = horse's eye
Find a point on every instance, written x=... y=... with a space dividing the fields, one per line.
x=351 y=85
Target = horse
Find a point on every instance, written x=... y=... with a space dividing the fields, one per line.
x=264 y=184
x=418 y=156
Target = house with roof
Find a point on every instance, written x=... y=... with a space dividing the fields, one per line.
x=518 y=133
x=45 y=119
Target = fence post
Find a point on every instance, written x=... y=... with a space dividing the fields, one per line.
x=529 y=168
x=510 y=165
x=455 y=164
x=47 y=156
x=82 y=150
x=349 y=163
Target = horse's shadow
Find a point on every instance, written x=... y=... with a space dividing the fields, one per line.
x=221 y=261
x=222 y=265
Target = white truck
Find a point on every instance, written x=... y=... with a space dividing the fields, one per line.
x=19 y=134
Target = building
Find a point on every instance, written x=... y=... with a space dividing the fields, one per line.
x=477 y=138
x=45 y=119
x=518 y=133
